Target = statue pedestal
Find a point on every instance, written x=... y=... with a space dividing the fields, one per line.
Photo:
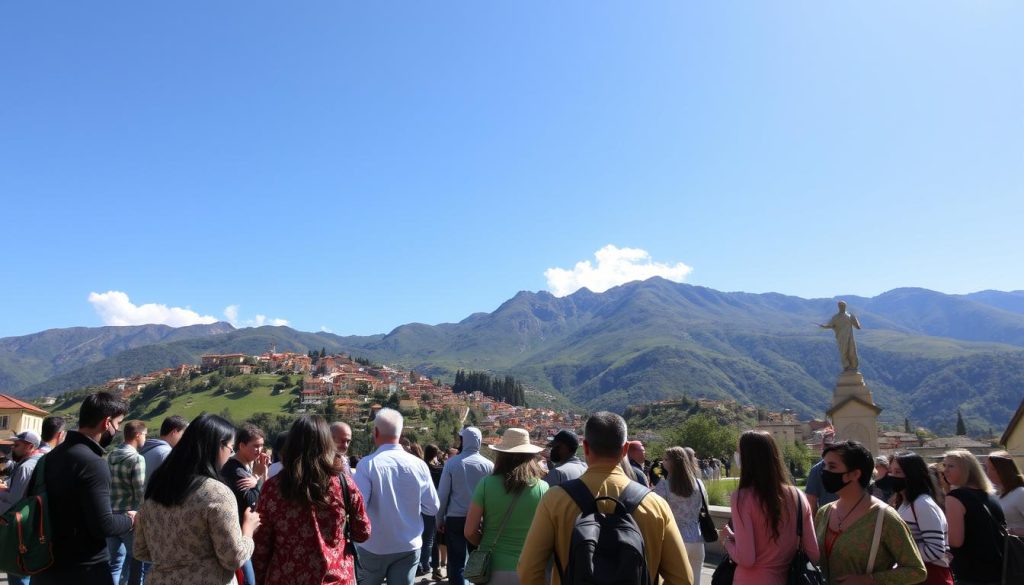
x=854 y=413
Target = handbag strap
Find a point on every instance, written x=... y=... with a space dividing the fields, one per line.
x=879 y=520
x=1000 y=528
x=799 y=521
x=508 y=513
x=703 y=499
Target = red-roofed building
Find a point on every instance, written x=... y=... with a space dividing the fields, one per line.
x=17 y=416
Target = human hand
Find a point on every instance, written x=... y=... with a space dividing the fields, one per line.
x=440 y=527
x=250 y=522
x=261 y=464
x=134 y=516
x=247 y=483
x=725 y=533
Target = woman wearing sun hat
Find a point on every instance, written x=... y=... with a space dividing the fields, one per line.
x=506 y=502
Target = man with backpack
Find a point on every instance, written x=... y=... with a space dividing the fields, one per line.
x=77 y=480
x=627 y=535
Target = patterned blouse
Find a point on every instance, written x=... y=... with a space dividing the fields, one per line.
x=686 y=510
x=197 y=543
x=849 y=551
x=300 y=544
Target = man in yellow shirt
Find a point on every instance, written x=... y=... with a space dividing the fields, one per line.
x=604 y=446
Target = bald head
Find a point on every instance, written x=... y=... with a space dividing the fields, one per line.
x=342 y=435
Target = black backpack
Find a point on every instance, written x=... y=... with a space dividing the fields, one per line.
x=606 y=549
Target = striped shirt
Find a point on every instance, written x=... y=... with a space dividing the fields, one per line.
x=928 y=525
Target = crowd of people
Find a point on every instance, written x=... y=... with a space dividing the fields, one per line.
x=208 y=503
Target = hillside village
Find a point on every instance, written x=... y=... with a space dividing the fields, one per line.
x=353 y=389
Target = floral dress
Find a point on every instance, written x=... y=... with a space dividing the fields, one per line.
x=301 y=544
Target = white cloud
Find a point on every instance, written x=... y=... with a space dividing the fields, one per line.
x=615 y=266
x=115 y=308
x=231 y=313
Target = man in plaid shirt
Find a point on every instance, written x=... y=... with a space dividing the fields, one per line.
x=128 y=476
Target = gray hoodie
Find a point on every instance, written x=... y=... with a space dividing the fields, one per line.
x=461 y=474
x=154 y=451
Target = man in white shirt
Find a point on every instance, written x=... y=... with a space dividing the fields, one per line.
x=397 y=491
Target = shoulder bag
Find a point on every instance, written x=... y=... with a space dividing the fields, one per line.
x=1013 y=552
x=26 y=546
x=478 y=565
x=801 y=570
x=707 y=524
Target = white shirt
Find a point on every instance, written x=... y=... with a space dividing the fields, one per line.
x=1013 y=508
x=397 y=491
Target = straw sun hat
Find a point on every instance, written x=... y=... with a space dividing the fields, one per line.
x=516 y=441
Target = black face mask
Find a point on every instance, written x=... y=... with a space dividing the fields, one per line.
x=106 y=439
x=832 y=481
x=897 y=484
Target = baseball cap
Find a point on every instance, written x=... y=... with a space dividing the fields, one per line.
x=567 y=438
x=28 y=437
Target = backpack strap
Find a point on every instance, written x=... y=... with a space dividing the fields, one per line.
x=633 y=495
x=580 y=493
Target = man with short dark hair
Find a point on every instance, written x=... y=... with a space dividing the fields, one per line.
x=128 y=475
x=245 y=473
x=565 y=465
x=156 y=450
x=53 y=433
x=604 y=446
x=78 y=486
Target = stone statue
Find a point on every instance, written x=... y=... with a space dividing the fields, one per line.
x=842 y=324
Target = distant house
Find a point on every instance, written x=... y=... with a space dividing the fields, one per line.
x=17 y=416
x=1013 y=437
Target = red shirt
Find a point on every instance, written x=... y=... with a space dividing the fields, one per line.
x=291 y=534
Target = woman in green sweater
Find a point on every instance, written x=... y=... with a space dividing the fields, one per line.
x=507 y=501
x=846 y=527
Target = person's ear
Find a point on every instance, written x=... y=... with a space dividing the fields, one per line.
x=625 y=449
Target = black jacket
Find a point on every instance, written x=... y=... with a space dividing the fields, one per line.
x=78 y=486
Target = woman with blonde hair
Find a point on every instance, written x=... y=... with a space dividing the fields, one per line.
x=685 y=494
x=763 y=538
x=974 y=516
x=506 y=501
x=1003 y=471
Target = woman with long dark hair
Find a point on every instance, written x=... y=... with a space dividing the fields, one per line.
x=974 y=516
x=303 y=540
x=506 y=501
x=762 y=540
x=685 y=494
x=914 y=494
x=1004 y=473
x=188 y=523
x=846 y=527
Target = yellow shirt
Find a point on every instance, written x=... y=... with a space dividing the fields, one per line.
x=552 y=527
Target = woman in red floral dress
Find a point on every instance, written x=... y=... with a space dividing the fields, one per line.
x=304 y=513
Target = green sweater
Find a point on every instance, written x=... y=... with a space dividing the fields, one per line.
x=852 y=548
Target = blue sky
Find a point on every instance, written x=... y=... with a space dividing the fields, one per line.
x=356 y=166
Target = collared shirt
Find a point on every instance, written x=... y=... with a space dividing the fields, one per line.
x=458 y=482
x=128 y=478
x=556 y=515
x=397 y=490
x=571 y=469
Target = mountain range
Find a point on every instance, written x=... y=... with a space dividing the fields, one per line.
x=924 y=353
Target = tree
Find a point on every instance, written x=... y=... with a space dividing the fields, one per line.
x=961 y=428
x=706 y=437
x=906 y=425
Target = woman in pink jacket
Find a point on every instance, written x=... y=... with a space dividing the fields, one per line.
x=762 y=539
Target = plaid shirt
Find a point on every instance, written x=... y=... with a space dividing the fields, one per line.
x=127 y=478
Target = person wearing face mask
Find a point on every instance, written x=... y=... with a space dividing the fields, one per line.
x=77 y=482
x=914 y=494
x=846 y=528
